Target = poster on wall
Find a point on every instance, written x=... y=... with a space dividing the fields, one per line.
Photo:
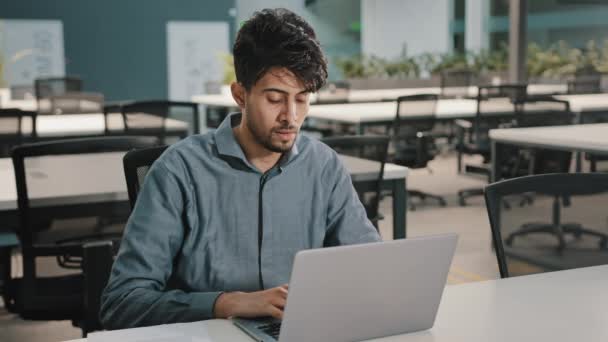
x=30 y=49
x=195 y=50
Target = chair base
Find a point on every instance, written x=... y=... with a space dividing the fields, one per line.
x=423 y=196
x=466 y=193
x=559 y=231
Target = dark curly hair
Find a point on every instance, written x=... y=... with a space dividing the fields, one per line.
x=278 y=38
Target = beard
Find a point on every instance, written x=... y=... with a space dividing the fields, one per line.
x=265 y=139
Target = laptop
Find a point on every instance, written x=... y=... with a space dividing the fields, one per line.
x=359 y=292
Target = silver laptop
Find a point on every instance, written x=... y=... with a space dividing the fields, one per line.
x=359 y=292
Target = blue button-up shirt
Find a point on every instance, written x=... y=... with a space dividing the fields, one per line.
x=208 y=221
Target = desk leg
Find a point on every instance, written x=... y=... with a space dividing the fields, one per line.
x=399 y=208
x=495 y=163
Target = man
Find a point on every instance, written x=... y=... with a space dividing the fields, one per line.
x=222 y=215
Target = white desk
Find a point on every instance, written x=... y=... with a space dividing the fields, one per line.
x=377 y=95
x=592 y=138
x=53 y=184
x=562 y=306
x=91 y=124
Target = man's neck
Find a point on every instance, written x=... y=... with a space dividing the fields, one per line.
x=256 y=154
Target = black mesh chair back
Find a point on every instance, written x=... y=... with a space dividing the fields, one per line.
x=69 y=193
x=412 y=142
x=151 y=118
x=16 y=127
x=51 y=86
x=585 y=81
x=543 y=111
x=136 y=164
x=334 y=92
x=368 y=147
x=496 y=106
x=456 y=82
x=22 y=92
x=565 y=226
x=72 y=103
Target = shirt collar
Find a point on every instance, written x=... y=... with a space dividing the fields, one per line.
x=227 y=144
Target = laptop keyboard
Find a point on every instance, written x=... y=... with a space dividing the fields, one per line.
x=272 y=329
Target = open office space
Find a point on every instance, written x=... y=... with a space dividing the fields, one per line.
x=304 y=170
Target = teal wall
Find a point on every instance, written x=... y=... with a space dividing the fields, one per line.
x=118 y=47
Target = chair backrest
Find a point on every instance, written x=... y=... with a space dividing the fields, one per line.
x=368 y=147
x=136 y=164
x=412 y=144
x=543 y=111
x=22 y=92
x=14 y=130
x=45 y=87
x=585 y=84
x=72 y=103
x=492 y=100
x=334 y=92
x=150 y=117
x=564 y=226
x=69 y=178
x=456 y=82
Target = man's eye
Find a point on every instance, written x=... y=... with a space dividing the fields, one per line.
x=274 y=100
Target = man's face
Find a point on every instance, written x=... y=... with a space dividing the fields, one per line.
x=275 y=108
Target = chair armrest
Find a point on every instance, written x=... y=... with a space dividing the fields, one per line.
x=463 y=124
x=96 y=268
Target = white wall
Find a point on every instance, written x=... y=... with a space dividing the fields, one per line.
x=419 y=25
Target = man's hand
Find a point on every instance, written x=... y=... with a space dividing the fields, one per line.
x=269 y=302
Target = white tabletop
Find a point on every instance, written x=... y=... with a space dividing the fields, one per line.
x=584 y=138
x=356 y=113
x=562 y=306
x=54 y=183
x=66 y=125
x=375 y=95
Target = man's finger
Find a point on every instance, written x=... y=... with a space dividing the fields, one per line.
x=278 y=302
x=275 y=312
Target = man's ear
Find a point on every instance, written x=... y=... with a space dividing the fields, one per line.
x=238 y=94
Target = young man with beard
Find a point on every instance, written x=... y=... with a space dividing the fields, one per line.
x=222 y=215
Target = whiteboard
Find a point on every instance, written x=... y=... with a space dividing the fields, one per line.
x=31 y=49
x=194 y=50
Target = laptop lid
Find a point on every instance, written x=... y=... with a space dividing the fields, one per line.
x=366 y=291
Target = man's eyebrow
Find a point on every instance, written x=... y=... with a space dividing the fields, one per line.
x=283 y=91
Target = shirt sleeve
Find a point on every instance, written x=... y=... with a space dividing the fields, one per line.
x=347 y=221
x=137 y=294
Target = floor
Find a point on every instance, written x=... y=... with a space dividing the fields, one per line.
x=474 y=259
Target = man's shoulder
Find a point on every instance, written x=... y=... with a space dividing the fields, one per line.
x=315 y=151
x=186 y=151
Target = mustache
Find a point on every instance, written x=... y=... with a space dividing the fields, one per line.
x=290 y=128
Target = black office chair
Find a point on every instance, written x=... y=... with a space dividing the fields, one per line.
x=136 y=164
x=585 y=81
x=22 y=92
x=11 y=129
x=72 y=103
x=496 y=106
x=45 y=87
x=150 y=118
x=564 y=228
x=456 y=82
x=369 y=147
x=413 y=142
x=63 y=229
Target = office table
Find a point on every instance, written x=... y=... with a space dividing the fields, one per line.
x=362 y=115
x=561 y=306
x=53 y=184
x=85 y=125
x=378 y=95
x=590 y=138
